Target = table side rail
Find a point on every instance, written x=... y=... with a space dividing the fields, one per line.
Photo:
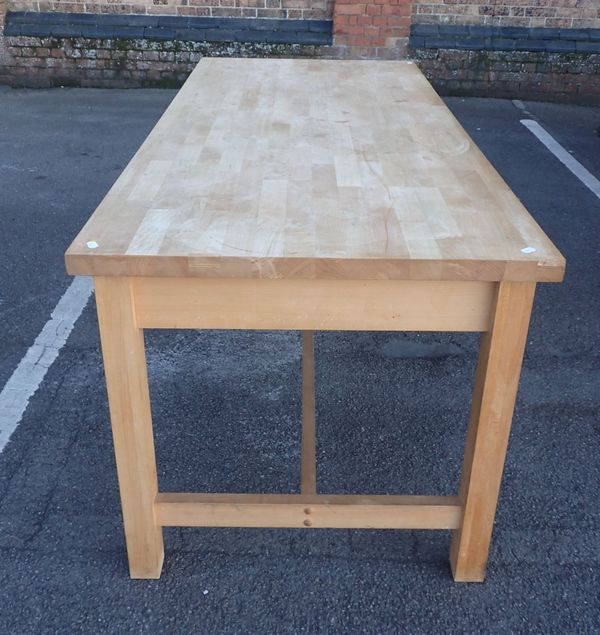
x=298 y=304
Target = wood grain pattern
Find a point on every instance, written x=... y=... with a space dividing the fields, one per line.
x=494 y=395
x=308 y=463
x=372 y=305
x=265 y=168
x=129 y=402
x=294 y=510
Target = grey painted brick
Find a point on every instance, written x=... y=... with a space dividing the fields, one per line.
x=264 y=25
x=41 y=30
x=289 y=37
x=560 y=46
x=519 y=32
x=237 y=23
x=312 y=38
x=471 y=43
x=544 y=33
x=65 y=30
x=176 y=21
x=285 y=37
x=16 y=17
x=142 y=20
x=575 y=34
x=203 y=23
x=114 y=19
x=254 y=36
x=502 y=44
x=129 y=32
x=530 y=45
x=480 y=31
x=416 y=41
x=425 y=29
x=587 y=47
x=286 y=25
x=453 y=29
x=12 y=29
x=81 y=18
x=510 y=39
x=158 y=33
x=96 y=31
x=169 y=28
x=440 y=42
x=192 y=35
x=51 y=17
x=206 y=23
x=222 y=35
x=320 y=26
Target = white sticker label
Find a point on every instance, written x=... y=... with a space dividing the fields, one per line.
x=92 y=244
x=528 y=250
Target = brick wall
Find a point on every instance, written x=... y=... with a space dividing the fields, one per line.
x=292 y=9
x=527 y=13
x=541 y=49
x=536 y=49
x=378 y=28
x=132 y=63
x=4 y=58
x=534 y=75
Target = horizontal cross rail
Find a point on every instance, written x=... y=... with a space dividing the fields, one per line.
x=299 y=510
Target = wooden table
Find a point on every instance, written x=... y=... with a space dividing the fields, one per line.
x=312 y=195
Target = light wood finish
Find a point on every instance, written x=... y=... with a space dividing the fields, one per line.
x=129 y=402
x=494 y=397
x=284 y=510
x=267 y=168
x=312 y=195
x=373 y=305
x=308 y=467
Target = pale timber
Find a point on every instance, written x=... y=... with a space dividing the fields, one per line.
x=312 y=195
x=275 y=168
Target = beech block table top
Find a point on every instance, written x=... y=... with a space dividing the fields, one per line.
x=280 y=168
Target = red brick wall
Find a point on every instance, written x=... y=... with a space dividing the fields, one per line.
x=529 y=13
x=378 y=28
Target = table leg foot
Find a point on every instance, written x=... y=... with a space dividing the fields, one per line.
x=494 y=395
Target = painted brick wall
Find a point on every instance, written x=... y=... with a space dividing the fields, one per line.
x=4 y=58
x=529 y=13
x=293 y=9
x=568 y=78
x=526 y=49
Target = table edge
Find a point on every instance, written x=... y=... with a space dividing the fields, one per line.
x=315 y=268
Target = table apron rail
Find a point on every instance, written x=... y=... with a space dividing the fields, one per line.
x=297 y=304
x=307 y=511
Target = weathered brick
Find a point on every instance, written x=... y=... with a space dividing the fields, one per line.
x=523 y=75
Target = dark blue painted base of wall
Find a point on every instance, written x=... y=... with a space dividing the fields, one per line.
x=193 y=29
x=504 y=38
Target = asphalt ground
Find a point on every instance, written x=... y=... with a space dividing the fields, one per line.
x=392 y=412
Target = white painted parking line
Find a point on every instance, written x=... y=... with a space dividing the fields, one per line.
x=32 y=369
x=582 y=173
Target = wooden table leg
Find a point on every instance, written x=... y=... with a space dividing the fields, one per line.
x=308 y=472
x=129 y=402
x=494 y=395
